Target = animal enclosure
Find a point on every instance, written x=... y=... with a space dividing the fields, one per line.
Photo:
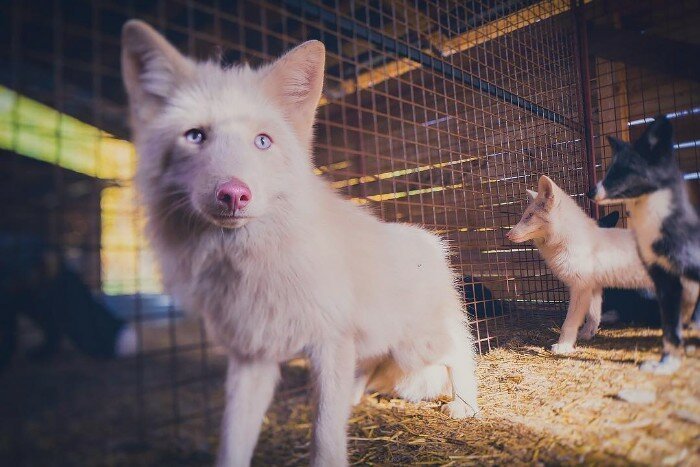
x=438 y=113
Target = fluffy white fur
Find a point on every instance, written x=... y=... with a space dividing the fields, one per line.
x=299 y=270
x=585 y=257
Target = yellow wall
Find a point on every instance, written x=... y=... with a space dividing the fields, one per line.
x=35 y=130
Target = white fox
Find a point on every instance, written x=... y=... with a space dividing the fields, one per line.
x=585 y=257
x=275 y=261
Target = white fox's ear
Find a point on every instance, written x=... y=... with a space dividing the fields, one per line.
x=295 y=82
x=546 y=186
x=531 y=194
x=151 y=67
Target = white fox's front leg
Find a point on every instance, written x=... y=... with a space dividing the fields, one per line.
x=333 y=364
x=590 y=327
x=579 y=304
x=249 y=390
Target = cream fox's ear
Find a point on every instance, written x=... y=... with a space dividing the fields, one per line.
x=531 y=194
x=546 y=186
x=295 y=82
x=151 y=67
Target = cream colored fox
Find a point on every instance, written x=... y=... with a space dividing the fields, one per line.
x=275 y=261
x=585 y=257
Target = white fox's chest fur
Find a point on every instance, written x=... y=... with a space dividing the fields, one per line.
x=247 y=288
x=254 y=309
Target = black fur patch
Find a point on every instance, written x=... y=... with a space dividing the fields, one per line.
x=669 y=290
x=644 y=167
x=637 y=307
x=626 y=177
x=632 y=306
x=609 y=221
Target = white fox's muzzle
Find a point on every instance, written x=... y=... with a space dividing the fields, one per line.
x=226 y=205
x=233 y=195
x=514 y=237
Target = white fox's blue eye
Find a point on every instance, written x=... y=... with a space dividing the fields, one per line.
x=195 y=136
x=262 y=141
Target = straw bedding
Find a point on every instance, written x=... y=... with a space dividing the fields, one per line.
x=538 y=408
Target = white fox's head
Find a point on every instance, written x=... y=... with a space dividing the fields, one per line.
x=226 y=144
x=536 y=221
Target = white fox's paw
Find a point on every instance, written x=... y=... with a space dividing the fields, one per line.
x=587 y=333
x=562 y=348
x=668 y=365
x=458 y=410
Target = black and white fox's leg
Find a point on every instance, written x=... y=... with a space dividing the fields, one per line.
x=670 y=292
x=595 y=309
x=690 y=299
x=695 y=320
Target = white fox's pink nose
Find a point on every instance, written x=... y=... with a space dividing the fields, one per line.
x=233 y=195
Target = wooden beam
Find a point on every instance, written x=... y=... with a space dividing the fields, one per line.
x=472 y=38
x=369 y=79
x=420 y=23
x=611 y=78
x=613 y=100
x=506 y=25
x=647 y=51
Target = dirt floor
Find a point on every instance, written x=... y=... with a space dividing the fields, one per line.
x=538 y=408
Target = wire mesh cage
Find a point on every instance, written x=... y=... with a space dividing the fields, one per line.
x=437 y=113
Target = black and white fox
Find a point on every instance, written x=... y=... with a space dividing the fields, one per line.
x=647 y=178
